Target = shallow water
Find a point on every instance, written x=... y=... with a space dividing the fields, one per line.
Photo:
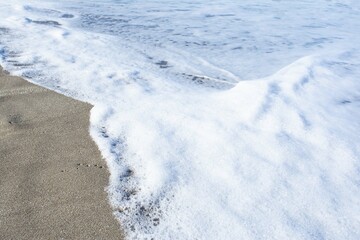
x=217 y=119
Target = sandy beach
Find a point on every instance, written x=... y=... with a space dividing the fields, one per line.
x=52 y=176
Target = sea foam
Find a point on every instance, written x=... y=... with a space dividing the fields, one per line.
x=219 y=120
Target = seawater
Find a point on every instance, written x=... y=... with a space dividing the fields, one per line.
x=217 y=119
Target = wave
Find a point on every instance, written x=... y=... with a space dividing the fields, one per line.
x=194 y=150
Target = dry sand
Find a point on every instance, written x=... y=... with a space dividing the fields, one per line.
x=44 y=192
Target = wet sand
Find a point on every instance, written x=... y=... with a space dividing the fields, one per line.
x=52 y=176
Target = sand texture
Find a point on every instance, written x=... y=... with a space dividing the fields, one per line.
x=52 y=176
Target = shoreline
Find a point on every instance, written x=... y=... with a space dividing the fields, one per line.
x=52 y=177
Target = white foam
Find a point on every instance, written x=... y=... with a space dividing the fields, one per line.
x=194 y=152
